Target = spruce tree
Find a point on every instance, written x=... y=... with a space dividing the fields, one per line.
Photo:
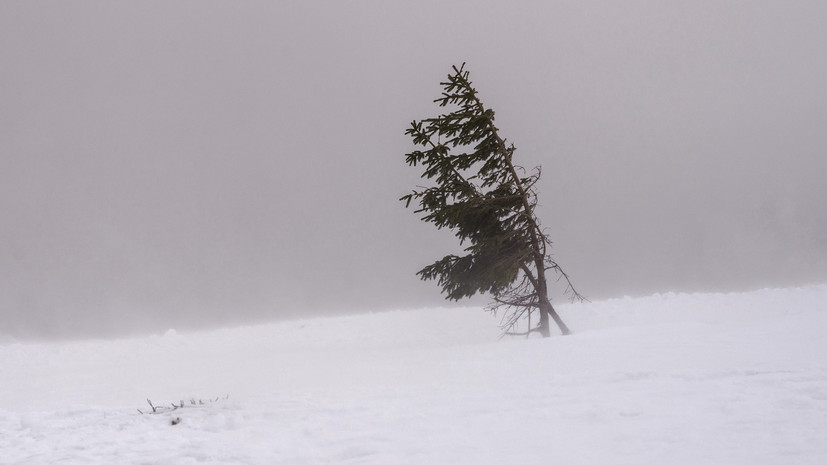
x=489 y=202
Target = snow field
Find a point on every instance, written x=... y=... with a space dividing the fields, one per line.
x=667 y=379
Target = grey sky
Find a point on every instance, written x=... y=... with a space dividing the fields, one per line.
x=170 y=164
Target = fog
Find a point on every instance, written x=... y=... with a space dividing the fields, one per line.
x=193 y=164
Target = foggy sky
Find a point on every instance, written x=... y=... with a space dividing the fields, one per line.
x=186 y=164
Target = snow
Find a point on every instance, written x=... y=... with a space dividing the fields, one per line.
x=667 y=379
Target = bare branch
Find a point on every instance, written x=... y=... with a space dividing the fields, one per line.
x=173 y=406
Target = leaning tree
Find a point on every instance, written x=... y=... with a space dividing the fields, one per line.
x=489 y=202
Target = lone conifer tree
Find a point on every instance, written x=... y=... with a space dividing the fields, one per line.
x=488 y=202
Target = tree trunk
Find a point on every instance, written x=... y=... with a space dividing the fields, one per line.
x=543 y=327
x=563 y=328
x=546 y=310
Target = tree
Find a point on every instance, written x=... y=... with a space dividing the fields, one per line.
x=489 y=203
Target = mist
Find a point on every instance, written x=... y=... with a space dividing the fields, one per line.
x=197 y=164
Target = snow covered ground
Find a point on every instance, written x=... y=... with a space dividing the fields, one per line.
x=666 y=379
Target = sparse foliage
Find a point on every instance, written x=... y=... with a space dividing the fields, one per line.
x=489 y=202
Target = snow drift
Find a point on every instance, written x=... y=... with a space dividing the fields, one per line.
x=667 y=379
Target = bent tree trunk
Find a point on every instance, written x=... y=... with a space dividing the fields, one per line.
x=547 y=310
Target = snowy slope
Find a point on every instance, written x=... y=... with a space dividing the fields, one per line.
x=666 y=379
